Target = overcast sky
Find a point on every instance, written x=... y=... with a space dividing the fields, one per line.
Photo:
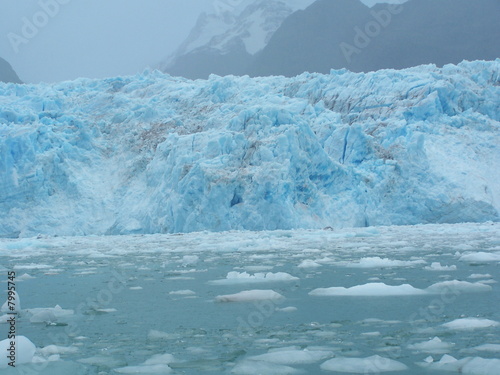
x=94 y=38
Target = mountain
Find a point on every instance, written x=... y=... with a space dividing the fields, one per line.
x=7 y=74
x=158 y=154
x=226 y=41
x=346 y=34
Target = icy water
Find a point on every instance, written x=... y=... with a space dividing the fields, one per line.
x=423 y=300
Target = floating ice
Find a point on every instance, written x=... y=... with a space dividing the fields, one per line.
x=371 y=289
x=287 y=309
x=436 y=266
x=488 y=348
x=381 y=289
x=55 y=349
x=250 y=295
x=480 y=257
x=190 y=260
x=144 y=369
x=467 y=366
x=480 y=276
x=377 y=262
x=470 y=324
x=374 y=364
x=293 y=357
x=24 y=351
x=308 y=263
x=247 y=367
x=14 y=305
x=184 y=292
x=234 y=277
x=457 y=286
x=48 y=315
x=434 y=346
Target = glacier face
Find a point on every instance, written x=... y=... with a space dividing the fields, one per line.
x=154 y=153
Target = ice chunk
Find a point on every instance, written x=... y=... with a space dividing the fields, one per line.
x=434 y=346
x=458 y=286
x=480 y=257
x=250 y=295
x=160 y=359
x=375 y=364
x=144 y=369
x=55 y=349
x=287 y=309
x=190 y=260
x=247 y=367
x=24 y=351
x=260 y=277
x=184 y=292
x=293 y=357
x=371 y=289
x=488 y=348
x=308 y=263
x=464 y=324
x=12 y=305
x=381 y=289
x=436 y=266
x=480 y=276
x=377 y=262
x=467 y=366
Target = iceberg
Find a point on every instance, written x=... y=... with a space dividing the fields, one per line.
x=153 y=153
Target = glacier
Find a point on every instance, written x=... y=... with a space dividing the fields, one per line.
x=153 y=153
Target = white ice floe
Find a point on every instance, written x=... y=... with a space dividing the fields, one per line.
x=190 y=260
x=434 y=346
x=381 y=289
x=250 y=295
x=184 y=292
x=480 y=257
x=465 y=324
x=55 y=349
x=48 y=315
x=458 y=287
x=467 y=366
x=293 y=357
x=32 y=266
x=287 y=309
x=12 y=305
x=24 y=277
x=371 y=289
x=436 y=266
x=234 y=277
x=157 y=364
x=374 y=364
x=308 y=263
x=144 y=369
x=23 y=352
x=480 y=276
x=488 y=348
x=377 y=262
x=247 y=367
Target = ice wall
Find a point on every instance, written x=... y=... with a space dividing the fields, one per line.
x=154 y=153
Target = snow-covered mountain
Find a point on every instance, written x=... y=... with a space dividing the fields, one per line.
x=347 y=34
x=153 y=153
x=7 y=74
x=224 y=42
